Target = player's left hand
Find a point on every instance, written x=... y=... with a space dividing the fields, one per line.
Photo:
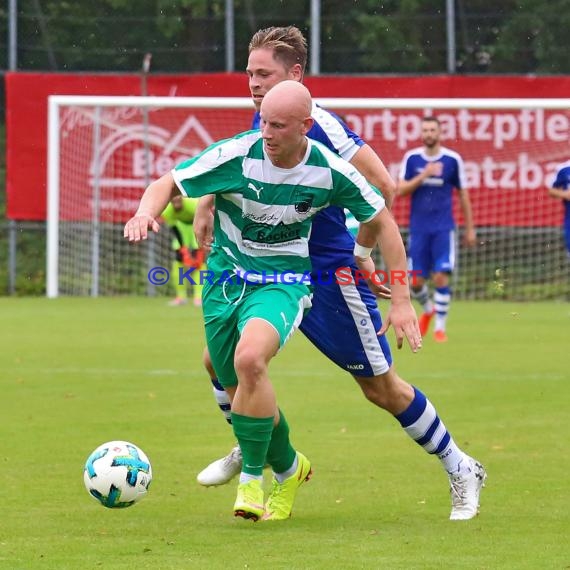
x=380 y=291
x=368 y=268
x=403 y=318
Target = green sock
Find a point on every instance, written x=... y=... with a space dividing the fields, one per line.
x=253 y=435
x=280 y=454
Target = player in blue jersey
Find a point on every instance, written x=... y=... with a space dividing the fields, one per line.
x=430 y=174
x=344 y=320
x=561 y=190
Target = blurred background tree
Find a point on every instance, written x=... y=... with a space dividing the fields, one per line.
x=357 y=36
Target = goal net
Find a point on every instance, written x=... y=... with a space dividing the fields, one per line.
x=103 y=152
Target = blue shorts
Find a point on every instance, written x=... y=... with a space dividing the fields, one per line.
x=343 y=324
x=567 y=237
x=430 y=252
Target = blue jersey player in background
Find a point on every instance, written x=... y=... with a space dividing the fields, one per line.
x=344 y=320
x=561 y=190
x=430 y=174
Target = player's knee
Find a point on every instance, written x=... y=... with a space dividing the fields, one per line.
x=373 y=388
x=375 y=393
x=441 y=279
x=249 y=363
x=387 y=391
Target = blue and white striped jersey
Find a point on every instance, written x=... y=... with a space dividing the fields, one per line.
x=432 y=203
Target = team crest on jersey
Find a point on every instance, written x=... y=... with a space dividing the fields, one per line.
x=303 y=201
x=304 y=206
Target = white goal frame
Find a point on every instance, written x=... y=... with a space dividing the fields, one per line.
x=56 y=102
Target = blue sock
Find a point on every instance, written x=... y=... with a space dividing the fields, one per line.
x=421 y=422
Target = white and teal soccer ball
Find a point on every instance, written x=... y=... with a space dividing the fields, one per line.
x=117 y=474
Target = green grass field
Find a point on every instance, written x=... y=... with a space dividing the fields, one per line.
x=79 y=372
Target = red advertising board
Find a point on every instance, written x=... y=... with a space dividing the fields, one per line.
x=510 y=155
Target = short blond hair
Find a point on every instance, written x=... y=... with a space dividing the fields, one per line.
x=288 y=44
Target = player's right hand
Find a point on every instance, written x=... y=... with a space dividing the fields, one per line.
x=402 y=317
x=136 y=229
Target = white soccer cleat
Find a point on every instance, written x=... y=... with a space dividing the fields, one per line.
x=221 y=471
x=465 y=490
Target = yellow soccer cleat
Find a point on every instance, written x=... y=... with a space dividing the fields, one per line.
x=280 y=501
x=249 y=501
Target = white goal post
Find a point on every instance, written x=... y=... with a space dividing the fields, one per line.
x=103 y=151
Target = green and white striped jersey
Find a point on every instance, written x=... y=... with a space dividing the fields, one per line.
x=263 y=212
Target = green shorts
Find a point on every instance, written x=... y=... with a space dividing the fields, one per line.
x=228 y=307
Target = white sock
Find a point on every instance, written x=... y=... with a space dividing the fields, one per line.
x=289 y=473
x=454 y=460
x=246 y=477
x=442 y=299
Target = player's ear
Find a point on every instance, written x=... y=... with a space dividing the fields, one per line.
x=307 y=124
x=296 y=72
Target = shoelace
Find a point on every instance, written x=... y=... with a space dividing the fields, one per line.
x=233 y=457
x=276 y=489
x=273 y=503
x=458 y=491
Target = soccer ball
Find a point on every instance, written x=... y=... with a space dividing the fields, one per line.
x=117 y=474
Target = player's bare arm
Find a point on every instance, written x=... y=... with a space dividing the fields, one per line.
x=369 y=164
x=152 y=204
x=401 y=314
x=367 y=235
x=406 y=187
x=470 y=237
